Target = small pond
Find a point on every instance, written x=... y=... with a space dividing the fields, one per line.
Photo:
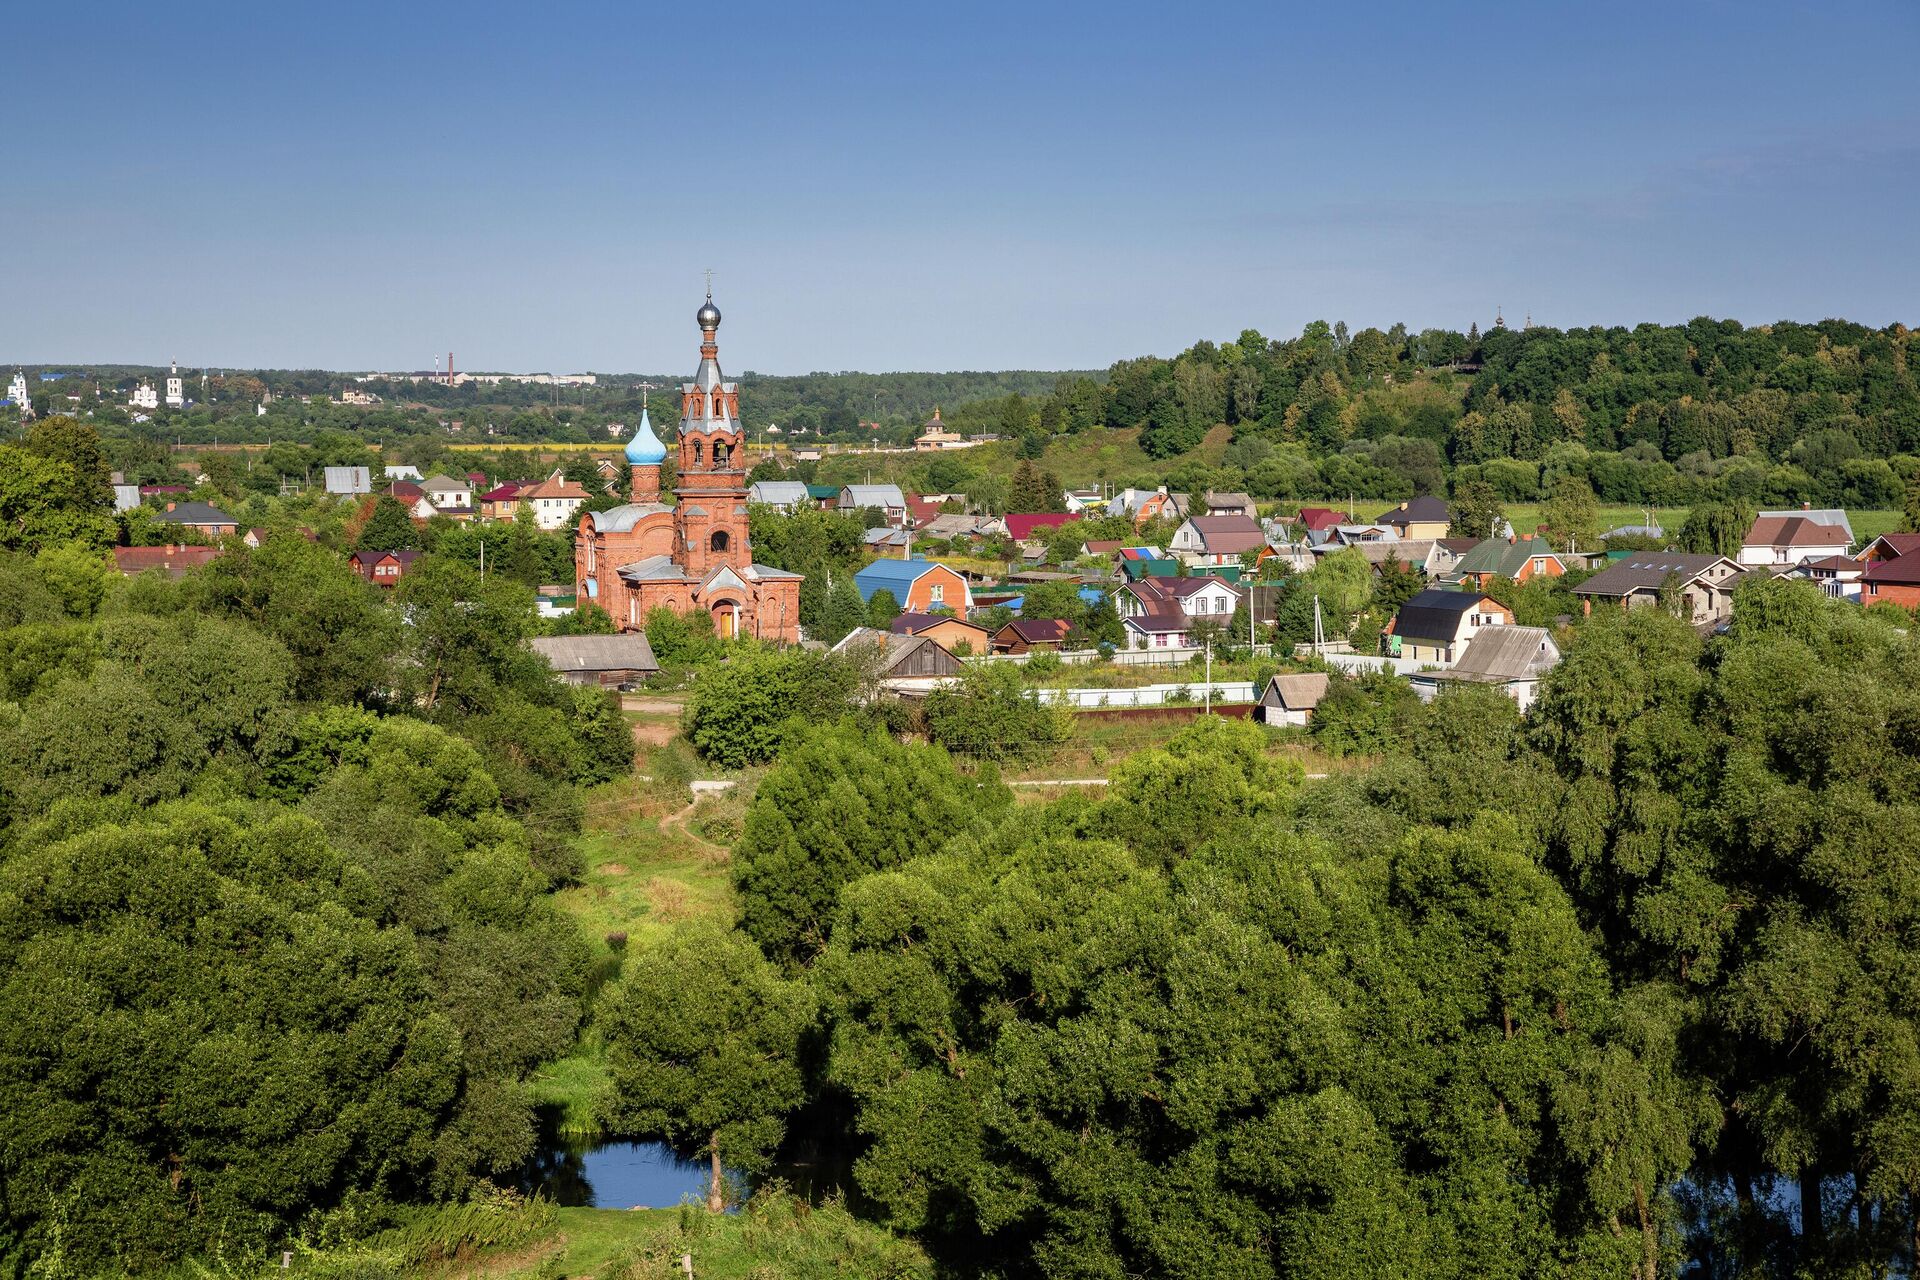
x=619 y=1173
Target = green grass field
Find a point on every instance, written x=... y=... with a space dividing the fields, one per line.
x=773 y=1237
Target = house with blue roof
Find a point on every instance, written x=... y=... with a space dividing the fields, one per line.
x=917 y=586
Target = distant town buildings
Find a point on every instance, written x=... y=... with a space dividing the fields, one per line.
x=17 y=390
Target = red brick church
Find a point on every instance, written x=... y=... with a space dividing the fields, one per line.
x=692 y=556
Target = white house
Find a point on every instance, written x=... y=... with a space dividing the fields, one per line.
x=448 y=496
x=886 y=498
x=1216 y=540
x=1159 y=613
x=1781 y=539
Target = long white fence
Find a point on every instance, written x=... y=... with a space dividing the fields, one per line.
x=1152 y=695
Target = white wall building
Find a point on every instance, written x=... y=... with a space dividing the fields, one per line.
x=17 y=390
x=176 y=390
x=144 y=396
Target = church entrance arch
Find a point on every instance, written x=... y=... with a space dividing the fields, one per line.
x=726 y=618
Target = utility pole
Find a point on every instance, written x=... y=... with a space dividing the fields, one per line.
x=1208 y=704
x=483 y=558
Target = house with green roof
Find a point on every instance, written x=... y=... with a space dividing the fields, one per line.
x=1515 y=558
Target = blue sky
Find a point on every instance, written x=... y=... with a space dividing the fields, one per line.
x=933 y=187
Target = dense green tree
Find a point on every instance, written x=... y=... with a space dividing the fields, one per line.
x=387 y=528
x=882 y=608
x=844 y=611
x=1475 y=511
x=842 y=803
x=986 y=713
x=703 y=1049
x=743 y=711
x=1571 y=516
x=75 y=443
x=1716 y=528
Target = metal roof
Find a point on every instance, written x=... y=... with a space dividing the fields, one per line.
x=892 y=575
x=628 y=651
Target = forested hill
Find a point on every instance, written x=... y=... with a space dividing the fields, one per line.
x=1827 y=410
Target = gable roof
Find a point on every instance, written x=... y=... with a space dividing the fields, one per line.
x=1819 y=515
x=895 y=649
x=872 y=495
x=1172 y=590
x=444 y=484
x=1228 y=535
x=174 y=560
x=505 y=491
x=1301 y=691
x=1796 y=531
x=1894 y=545
x=1320 y=517
x=375 y=557
x=912 y=624
x=1039 y=630
x=1239 y=502
x=1021 y=527
x=627 y=651
x=1504 y=559
x=1435 y=614
x=194 y=513
x=897 y=576
x=1496 y=655
x=1900 y=569
x=348 y=479
x=778 y=492
x=1647 y=571
x=405 y=490
x=1424 y=509
x=555 y=486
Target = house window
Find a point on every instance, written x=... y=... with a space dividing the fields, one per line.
x=1160 y=640
x=1539 y=566
x=937 y=593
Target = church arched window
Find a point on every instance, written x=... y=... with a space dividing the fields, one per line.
x=696 y=453
x=720 y=455
x=718 y=542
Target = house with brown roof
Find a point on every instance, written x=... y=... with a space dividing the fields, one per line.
x=555 y=501
x=174 y=561
x=383 y=568
x=1422 y=517
x=501 y=501
x=1028 y=635
x=1516 y=558
x=1159 y=613
x=1895 y=581
x=199 y=516
x=1217 y=540
x=1703 y=584
x=945 y=629
x=1782 y=541
x=1889 y=546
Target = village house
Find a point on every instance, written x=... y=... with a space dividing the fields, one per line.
x=1149 y=504
x=1782 y=541
x=347 y=482
x=901 y=662
x=1081 y=501
x=1703 y=584
x=884 y=498
x=917 y=586
x=1217 y=540
x=951 y=525
x=1513 y=659
x=1894 y=580
x=1436 y=625
x=174 y=561
x=1517 y=559
x=1317 y=519
x=1422 y=517
x=1023 y=526
x=1889 y=546
x=448 y=496
x=782 y=495
x=954 y=634
x=934 y=436
x=501 y=501
x=554 y=501
x=400 y=471
x=198 y=516
x=1159 y=613
x=1229 y=504
x=383 y=568
x=616 y=661
x=1837 y=576
x=1291 y=699
x=1029 y=635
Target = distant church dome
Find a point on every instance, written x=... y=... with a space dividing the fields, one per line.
x=645 y=449
x=709 y=315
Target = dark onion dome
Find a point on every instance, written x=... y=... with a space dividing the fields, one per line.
x=709 y=315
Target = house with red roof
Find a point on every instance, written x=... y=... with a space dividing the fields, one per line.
x=1889 y=546
x=501 y=501
x=1021 y=527
x=1318 y=519
x=383 y=568
x=555 y=501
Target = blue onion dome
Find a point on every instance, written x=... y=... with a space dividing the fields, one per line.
x=645 y=449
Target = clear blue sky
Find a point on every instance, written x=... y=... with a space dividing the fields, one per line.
x=933 y=187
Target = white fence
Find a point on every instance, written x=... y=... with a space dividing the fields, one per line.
x=1152 y=695
x=1355 y=664
x=1123 y=657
